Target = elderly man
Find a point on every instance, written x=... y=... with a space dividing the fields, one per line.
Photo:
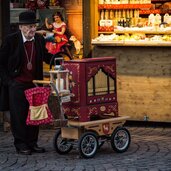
x=21 y=61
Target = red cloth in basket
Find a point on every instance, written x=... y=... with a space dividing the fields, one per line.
x=39 y=112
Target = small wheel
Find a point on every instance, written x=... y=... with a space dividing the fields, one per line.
x=120 y=139
x=60 y=144
x=88 y=144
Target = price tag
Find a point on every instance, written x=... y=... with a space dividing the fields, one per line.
x=102 y=22
x=108 y=23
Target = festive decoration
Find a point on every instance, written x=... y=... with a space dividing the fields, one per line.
x=42 y=3
x=34 y=4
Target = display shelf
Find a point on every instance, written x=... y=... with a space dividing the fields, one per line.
x=159 y=0
x=124 y=6
x=132 y=43
x=135 y=11
x=156 y=11
x=140 y=30
x=143 y=31
x=133 y=32
x=106 y=32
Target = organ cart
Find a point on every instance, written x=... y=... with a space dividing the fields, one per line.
x=86 y=92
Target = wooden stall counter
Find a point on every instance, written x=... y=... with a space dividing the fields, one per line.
x=143 y=79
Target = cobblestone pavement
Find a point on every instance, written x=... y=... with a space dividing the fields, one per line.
x=150 y=150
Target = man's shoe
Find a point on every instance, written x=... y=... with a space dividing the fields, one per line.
x=23 y=151
x=37 y=149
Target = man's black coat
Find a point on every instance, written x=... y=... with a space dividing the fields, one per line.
x=11 y=60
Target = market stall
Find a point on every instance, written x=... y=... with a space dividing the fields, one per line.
x=142 y=49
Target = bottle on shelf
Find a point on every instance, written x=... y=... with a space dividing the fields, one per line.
x=111 y=14
x=108 y=2
x=127 y=13
x=102 y=15
x=151 y=20
x=106 y=14
x=113 y=1
x=131 y=13
x=101 y=1
x=158 y=19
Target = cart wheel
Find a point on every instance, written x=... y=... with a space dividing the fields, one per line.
x=88 y=145
x=60 y=144
x=120 y=139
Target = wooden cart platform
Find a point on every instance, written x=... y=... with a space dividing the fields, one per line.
x=74 y=129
